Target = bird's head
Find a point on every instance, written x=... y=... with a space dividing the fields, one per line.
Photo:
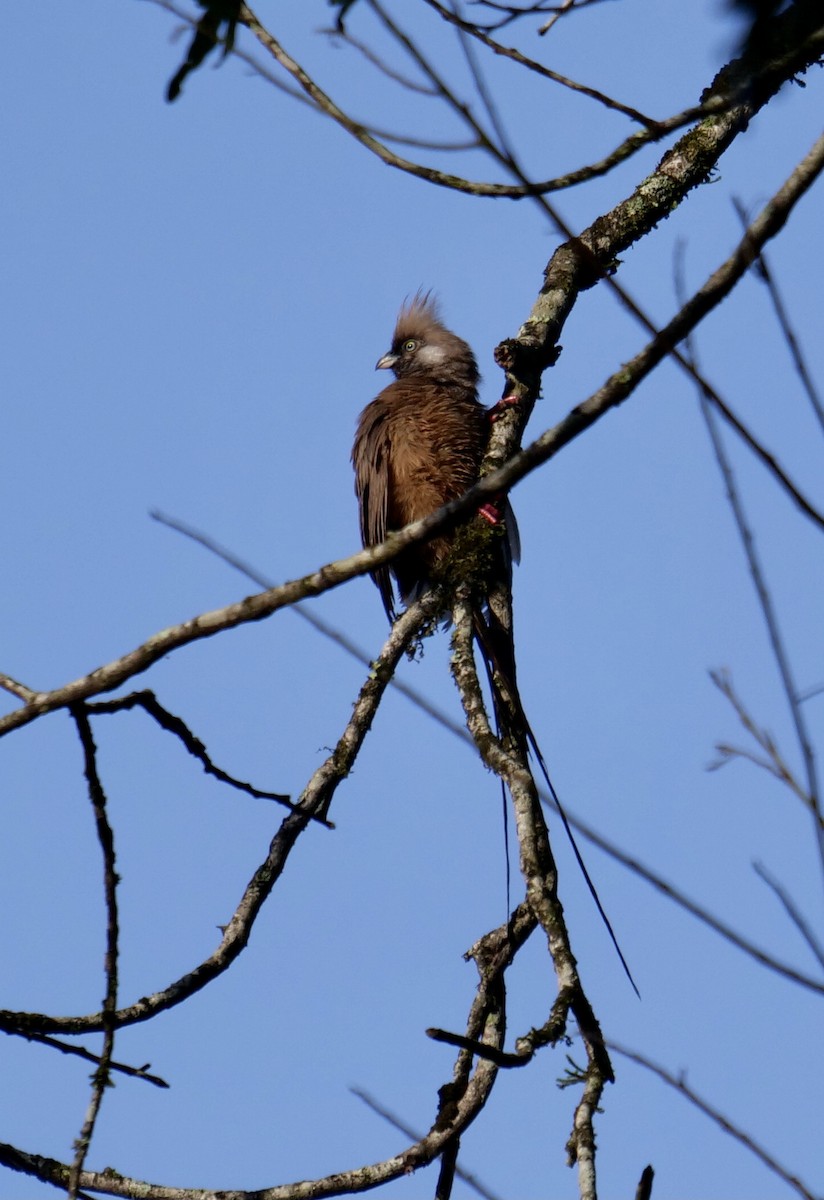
x=423 y=348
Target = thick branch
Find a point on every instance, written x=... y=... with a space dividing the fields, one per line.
x=539 y=871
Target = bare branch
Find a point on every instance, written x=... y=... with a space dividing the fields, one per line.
x=446 y=1176
x=560 y=9
x=469 y=1179
x=792 y=910
x=773 y=763
x=306 y=613
x=653 y=127
x=101 y=1078
x=540 y=876
x=253 y=608
x=17 y=689
x=172 y=724
x=680 y=1085
x=776 y=639
x=81 y=1052
x=409 y=85
x=764 y=273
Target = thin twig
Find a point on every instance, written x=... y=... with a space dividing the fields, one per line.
x=17 y=689
x=446 y=1175
x=565 y=7
x=655 y=128
x=43 y=1039
x=395 y=1121
x=774 y=762
x=734 y=102
x=680 y=1085
x=764 y=273
x=793 y=911
x=409 y=85
x=101 y=1078
x=771 y=620
x=147 y=700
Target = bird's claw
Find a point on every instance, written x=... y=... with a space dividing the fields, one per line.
x=490 y=513
x=500 y=408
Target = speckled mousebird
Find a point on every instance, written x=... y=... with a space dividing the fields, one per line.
x=418 y=445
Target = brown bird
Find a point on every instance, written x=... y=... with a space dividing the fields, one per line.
x=418 y=445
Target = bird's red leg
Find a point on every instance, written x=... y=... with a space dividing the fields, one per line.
x=500 y=408
x=490 y=511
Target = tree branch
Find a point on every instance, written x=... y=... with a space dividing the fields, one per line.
x=101 y=1078
x=679 y=1084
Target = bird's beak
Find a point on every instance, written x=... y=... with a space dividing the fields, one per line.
x=388 y=360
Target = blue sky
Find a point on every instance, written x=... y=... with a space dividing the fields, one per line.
x=193 y=298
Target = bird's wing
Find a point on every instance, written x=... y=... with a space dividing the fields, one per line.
x=370 y=458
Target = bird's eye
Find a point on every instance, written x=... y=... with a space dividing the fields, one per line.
x=410 y=345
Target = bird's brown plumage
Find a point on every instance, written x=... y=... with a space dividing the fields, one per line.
x=419 y=443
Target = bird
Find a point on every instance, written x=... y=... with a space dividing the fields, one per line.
x=418 y=445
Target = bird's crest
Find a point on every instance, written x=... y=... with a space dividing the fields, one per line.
x=420 y=315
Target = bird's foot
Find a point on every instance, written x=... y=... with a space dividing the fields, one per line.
x=490 y=512
x=500 y=408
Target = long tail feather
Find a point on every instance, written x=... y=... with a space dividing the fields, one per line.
x=498 y=652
